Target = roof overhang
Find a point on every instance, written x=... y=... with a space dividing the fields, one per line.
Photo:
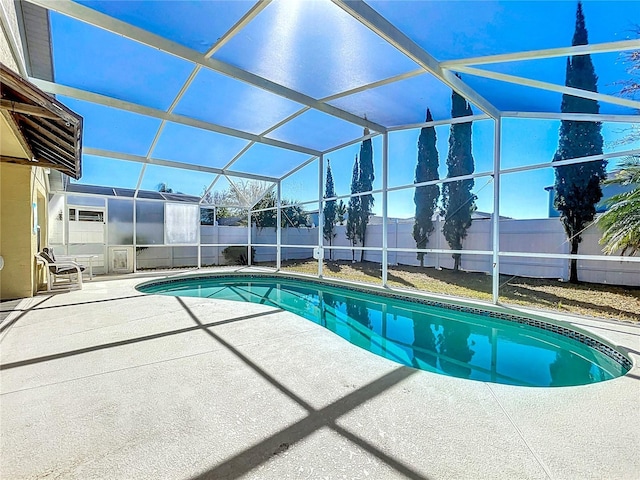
x=36 y=129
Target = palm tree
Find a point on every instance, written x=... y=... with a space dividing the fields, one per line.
x=621 y=223
x=163 y=187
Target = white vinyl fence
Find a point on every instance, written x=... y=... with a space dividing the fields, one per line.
x=544 y=236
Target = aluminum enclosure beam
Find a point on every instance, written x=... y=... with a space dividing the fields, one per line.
x=232 y=32
x=379 y=83
x=168 y=163
x=576 y=92
x=93 y=17
x=435 y=123
x=346 y=93
x=298 y=168
x=388 y=32
x=608 y=47
x=237 y=28
x=140 y=178
x=57 y=89
x=586 y=117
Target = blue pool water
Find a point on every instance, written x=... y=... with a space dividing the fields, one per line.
x=431 y=338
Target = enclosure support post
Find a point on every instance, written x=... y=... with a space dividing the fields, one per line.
x=320 y=214
x=385 y=220
x=135 y=196
x=199 y=237
x=135 y=249
x=105 y=245
x=249 y=237
x=497 y=139
x=279 y=226
x=216 y=236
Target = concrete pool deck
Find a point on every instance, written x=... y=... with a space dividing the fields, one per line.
x=107 y=382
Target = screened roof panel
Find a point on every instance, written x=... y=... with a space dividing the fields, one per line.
x=267 y=160
x=113 y=129
x=462 y=29
x=316 y=130
x=401 y=103
x=113 y=65
x=196 y=146
x=194 y=24
x=109 y=172
x=219 y=99
x=188 y=182
x=313 y=47
x=317 y=49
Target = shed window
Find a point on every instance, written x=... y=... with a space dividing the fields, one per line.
x=90 y=216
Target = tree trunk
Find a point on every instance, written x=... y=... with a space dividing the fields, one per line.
x=364 y=232
x=573 y=271
x=456 y=259
x=422 y=261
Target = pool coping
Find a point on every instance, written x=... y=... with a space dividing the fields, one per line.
x=502 y=312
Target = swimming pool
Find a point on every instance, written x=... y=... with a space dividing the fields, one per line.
x=448 y=339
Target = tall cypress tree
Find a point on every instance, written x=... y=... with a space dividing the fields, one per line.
x=353 y=208
x=365 y=181
x=329 y=212
x=577 y=187
x=457 y=199
x=425 y=197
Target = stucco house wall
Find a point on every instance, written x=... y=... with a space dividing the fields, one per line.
x=23 y=192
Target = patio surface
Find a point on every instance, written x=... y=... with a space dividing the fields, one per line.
x=109 y=383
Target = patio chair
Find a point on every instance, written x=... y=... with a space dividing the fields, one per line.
x=60 y=274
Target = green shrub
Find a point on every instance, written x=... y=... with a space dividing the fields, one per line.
x=238 y=255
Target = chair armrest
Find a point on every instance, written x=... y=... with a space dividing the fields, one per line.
x=60 y=264
x=66 y=264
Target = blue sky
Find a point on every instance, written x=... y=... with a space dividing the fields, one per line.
x=316 y=48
